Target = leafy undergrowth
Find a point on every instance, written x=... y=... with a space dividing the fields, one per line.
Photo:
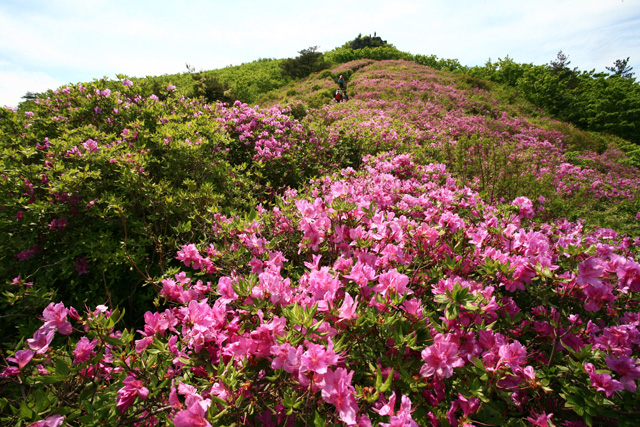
x=419 y=255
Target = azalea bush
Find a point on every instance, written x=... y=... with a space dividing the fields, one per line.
x=101 y=186
x=386 y=297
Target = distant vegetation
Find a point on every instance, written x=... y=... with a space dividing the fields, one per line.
x=594 y=101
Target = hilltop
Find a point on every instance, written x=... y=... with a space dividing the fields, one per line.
x=437 y=239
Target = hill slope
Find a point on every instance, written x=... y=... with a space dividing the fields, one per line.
x=312 y=261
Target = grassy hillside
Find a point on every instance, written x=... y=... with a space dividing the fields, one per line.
x=437 y=240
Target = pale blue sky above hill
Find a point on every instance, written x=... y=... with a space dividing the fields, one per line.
x=49 y=43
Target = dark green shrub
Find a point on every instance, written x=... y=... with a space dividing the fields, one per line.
x=210 y=88
x=309 y=61
x=326 y=73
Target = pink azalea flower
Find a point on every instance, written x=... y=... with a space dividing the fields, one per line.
x=387 y=408
x=629 y=275
x=525 y=205
x=52 y=421
x=602 y=382
x=402 y=418
x=193 y=416
x=55 y=315
x=21 y=358
x=226 y=291
x=338 y=391
x=513 y=354
x=83 y=350
x=41 y=339
x=317 y=358
x=190 y=255
x=58 y=223
x=589 y=273
x=541 y=420
x=348 y=309
x=440 y=358
x=392 y=280
x=361 y=273
x=469 y=405
x=126 y=395
x=90 y=145
x=10 y=371
x=626 y=367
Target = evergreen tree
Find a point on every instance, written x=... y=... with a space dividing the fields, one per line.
x=621 y=68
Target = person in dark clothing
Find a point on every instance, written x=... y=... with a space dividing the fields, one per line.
x=341 y=82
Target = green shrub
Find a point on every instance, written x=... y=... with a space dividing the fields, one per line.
x=309 y=61
x=326 y=73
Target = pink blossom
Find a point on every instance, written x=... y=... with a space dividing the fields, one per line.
x=603 y=382
x=317 y=358
x=469 y=405
x=627 y=368
x=513 y=354
x=83 y=350
x=338 y=391
x=126 y=395
x=52 y=421
x=402 y=418
x=361 y=273
x=440 y=358
x=21 y=358
x=540 y=420
x=388 y=407
x=286 y=357
x=55 y=315
x=629 y=275
x=10 y=371
x=90 y=145
x=193 y=416
x=392 y=282
x=348 y=309
x=41 y=339
x=58 y=223
x=226 y=291
x=525 y=205
x=189 y=255
x=589 y=273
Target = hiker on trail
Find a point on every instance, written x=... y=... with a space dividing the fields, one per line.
x=345 y=97
x=341 y=82
x=338 y=96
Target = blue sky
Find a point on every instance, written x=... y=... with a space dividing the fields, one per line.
x=48 y=43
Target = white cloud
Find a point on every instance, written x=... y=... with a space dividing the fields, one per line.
x=15 y=83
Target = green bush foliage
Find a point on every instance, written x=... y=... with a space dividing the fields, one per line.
x=105 y=185
x=589 y=100
x=308 y=61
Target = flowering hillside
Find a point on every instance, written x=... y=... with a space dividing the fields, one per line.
x=427 y=253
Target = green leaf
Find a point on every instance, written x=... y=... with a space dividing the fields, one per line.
x=387 y=382
x=319 y=420
x=113 y=341
x=378 y=379
x=451 y=312
x=51 y=379
x=25 y=412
